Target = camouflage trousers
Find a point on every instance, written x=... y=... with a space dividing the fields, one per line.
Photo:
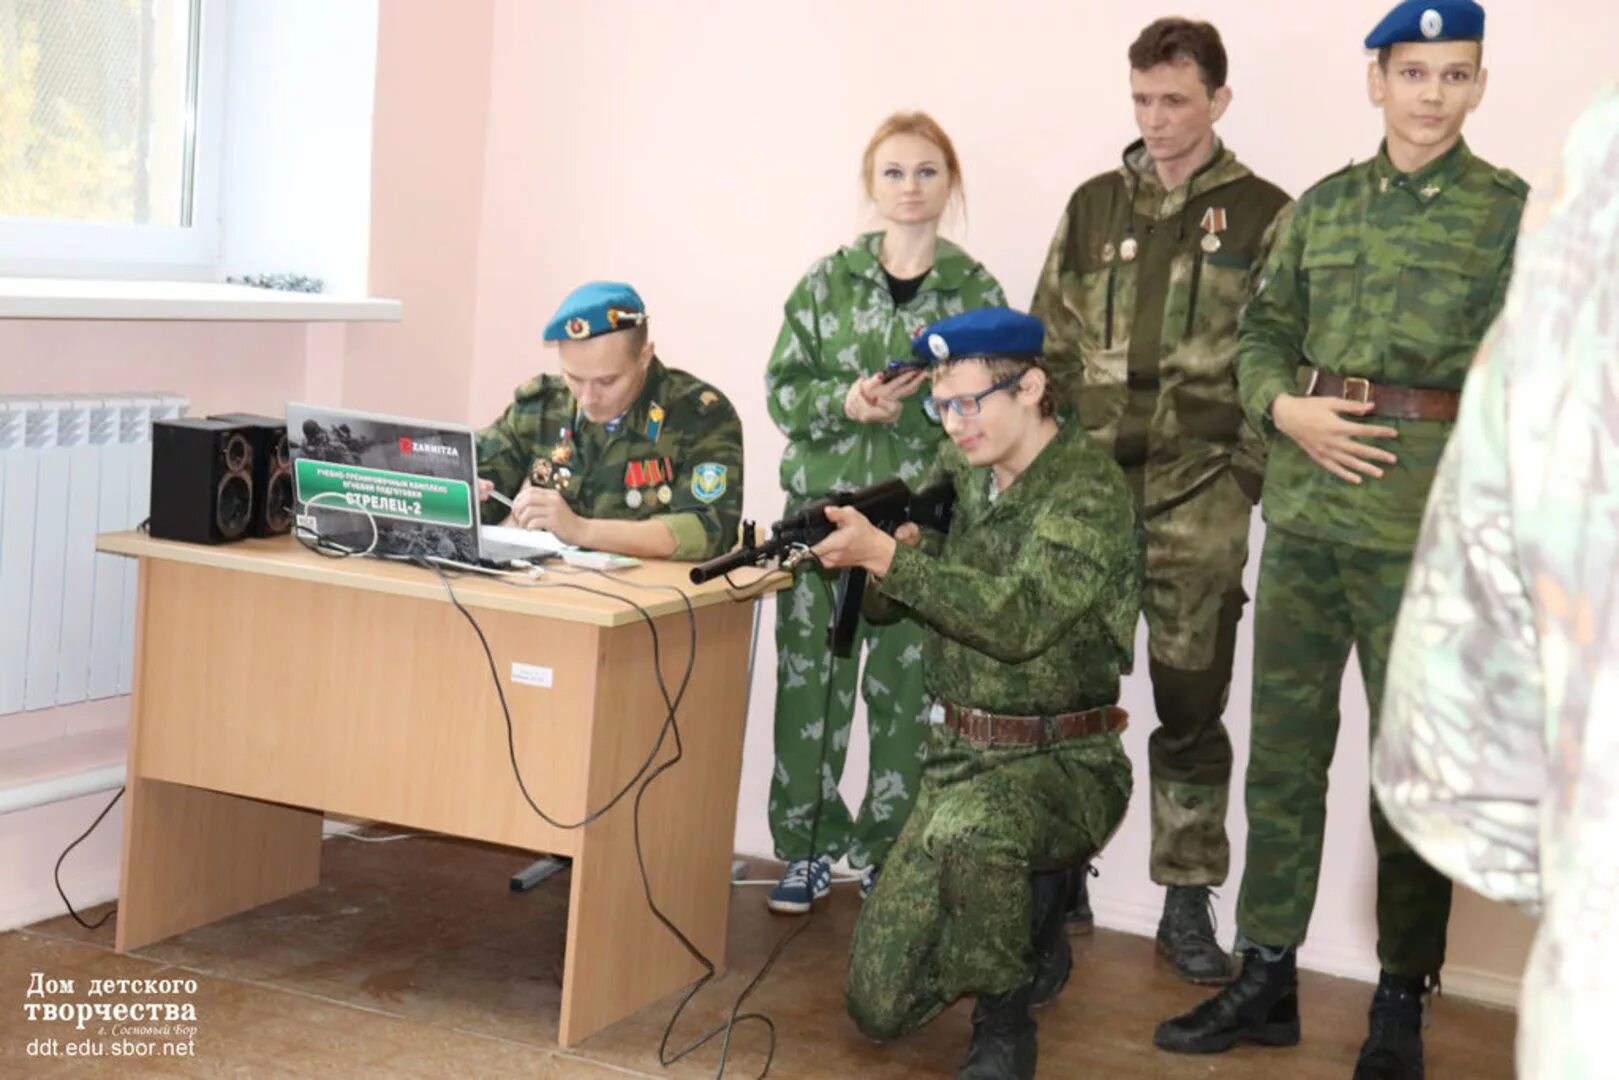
x=1193 y=601
x=1316 y=599
x=950 y=914
x=895 y=718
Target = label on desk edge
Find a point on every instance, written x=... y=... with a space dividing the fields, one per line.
x=531 y=675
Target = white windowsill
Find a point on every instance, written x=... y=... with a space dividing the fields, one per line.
x=70 y=298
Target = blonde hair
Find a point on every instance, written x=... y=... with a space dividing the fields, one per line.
x=923 y=126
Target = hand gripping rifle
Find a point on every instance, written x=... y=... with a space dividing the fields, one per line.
x=887 y=505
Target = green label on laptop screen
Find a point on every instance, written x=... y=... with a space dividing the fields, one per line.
x=403 y=496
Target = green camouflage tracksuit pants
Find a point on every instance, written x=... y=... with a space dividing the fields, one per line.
x=895 y=714
x=1316 y=599
x=950 y=914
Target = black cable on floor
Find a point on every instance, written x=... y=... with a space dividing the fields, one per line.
x=57 y=874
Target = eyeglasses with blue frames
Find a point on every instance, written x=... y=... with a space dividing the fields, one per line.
x=966 y=406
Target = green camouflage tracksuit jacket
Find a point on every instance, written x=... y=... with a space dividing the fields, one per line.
x=841 y=324
x=1395 y=278
x=1498 y=757
x=1140 y=295
x=1030 y=605
x=675 y=456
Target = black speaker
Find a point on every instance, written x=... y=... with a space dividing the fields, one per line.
x=202 y=481
x=272 y=472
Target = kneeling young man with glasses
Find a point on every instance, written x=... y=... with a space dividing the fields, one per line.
x=1030 y=604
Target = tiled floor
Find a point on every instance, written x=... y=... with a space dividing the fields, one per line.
x=414 y=959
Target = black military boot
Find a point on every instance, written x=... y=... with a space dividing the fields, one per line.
x=1261 y=1006
x=1186 y=936
x=1077 y=903
x=1053 y=957
x=1393 y=1049
x=1003 y=1046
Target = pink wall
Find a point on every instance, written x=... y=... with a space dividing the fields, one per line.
x=220 y=367
x=708 y=154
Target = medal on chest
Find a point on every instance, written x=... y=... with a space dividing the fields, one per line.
x=1128 y=249
x=1214 y=223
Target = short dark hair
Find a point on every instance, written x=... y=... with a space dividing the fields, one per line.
x=1173 y=40
x=1387 y=51
x=1009 y=367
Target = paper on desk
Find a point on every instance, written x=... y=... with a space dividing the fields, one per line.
x=537 y=540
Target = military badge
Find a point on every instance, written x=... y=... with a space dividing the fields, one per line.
x=564 y=479
x=1128 y=249
x=654 y=421
x=1430 y=191
x=618 y=317
x=632 y=498
x=1432 y=24
x=1109 y=252
x=936 y=345
x=1214 y=223
x=539 y=473
x=562 y=453
x=577 y=328
x=707 y=398
x=708 y=481
x=665 y=494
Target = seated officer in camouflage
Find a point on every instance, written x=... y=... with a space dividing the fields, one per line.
x=1381 y=288
x=1029 y=606
x=619 y=453
x=1151 y=265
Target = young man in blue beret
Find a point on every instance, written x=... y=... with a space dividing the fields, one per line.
x=1382 y=286
x=1029 y=605
x=619 y=453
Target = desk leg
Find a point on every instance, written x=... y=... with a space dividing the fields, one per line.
x=620 y=958
x=192 y=856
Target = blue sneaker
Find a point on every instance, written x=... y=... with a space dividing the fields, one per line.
x=802 y=883
x=868 y=881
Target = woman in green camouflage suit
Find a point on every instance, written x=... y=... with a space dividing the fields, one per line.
x=851 y=314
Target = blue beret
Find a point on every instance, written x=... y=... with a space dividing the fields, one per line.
x=598 y=308
x=986 y=332
x=1429 y=20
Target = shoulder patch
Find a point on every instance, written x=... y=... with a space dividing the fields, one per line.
x=706 y=398
x=708 y=481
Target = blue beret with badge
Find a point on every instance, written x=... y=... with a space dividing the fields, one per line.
x=981 y=333
x=600 y=307
x=1429 y=20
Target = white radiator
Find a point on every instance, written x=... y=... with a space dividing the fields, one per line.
x=71 y=466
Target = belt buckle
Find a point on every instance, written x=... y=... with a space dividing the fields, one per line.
x=1365 y=386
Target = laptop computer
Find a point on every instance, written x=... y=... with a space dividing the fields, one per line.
x=415 y=481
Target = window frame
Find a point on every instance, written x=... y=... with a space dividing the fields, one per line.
x=82 y=249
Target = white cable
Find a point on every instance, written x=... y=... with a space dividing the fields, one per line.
x=318 y=539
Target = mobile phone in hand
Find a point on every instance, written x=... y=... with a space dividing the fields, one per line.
x=896 y=368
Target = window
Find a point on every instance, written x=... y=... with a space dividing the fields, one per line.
x=108 y=136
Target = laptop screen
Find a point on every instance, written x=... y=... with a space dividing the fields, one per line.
x=415 y=479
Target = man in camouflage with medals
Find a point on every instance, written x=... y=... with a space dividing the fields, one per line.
x=619 y=453
x=1149 y=270
x=1352 y=355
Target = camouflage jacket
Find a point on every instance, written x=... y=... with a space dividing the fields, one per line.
x=676 y=457
x=1394 y=278
x=1498 y=757
x=842 y=324
x=1141 y=317
x=1030 y=601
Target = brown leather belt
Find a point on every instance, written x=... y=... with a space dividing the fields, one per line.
x=1401 y=402
x=985 y=729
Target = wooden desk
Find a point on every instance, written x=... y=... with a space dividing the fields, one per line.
x=273 y=684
